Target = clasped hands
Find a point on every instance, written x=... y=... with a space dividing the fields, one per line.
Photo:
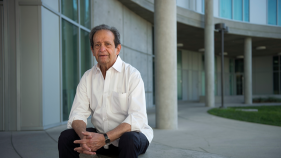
x=90 y=143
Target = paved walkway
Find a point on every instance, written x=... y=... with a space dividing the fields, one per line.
x=200 y=135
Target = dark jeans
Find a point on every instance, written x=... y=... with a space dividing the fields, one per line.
x=131 y=144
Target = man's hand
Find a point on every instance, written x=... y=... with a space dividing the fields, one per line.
x=90 y=143
x=80 y=126
x=84 y=148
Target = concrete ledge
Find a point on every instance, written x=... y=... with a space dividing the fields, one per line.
x=159 y=150
x=236 y=98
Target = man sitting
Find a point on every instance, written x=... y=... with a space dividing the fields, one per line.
x=113 y=93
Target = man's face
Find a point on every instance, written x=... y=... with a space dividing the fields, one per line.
x=104 y=48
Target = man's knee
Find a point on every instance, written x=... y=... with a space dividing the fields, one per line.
x=67 y=136
x=129 y=140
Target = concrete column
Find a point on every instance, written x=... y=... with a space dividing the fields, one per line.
x=165 y=33
x=248 y=70
x=209 y=54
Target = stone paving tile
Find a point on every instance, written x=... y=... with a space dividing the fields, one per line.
x=156 y=150
x=6 y=148
x=54 y=132
x=35 y=144
x=159 y=150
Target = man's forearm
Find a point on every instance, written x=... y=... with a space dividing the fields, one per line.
x=79 y=126
x=118 y=131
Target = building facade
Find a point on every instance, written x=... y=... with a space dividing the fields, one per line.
x=44 y=51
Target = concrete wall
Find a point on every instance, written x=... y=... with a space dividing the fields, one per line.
x=50 y=67
x=258 y=11
x=30 y=67
x=262 y=75
x=136 y=38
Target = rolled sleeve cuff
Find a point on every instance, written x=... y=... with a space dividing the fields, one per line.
x=135 y=124
x=69 y=123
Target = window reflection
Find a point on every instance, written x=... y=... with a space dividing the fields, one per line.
x=85 y=14
x=70 y=65
x=69 y=9
x=85 y=52
x=235 y=9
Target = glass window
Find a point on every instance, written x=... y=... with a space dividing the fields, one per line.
x=69 y=9
x=226 y=9
x=239 y=65
x=276 y=75
x=85 y=52
x=246 y=10
x=179 y=60
x=239 y=84
x=237 y=11
x=231 y=76
x=203 y=75
x=179 y=84
x=203 y=7
x=70 y=65
x=276 y=82
x=279 y=12
x=179 y=76
x=231 y=65
x=276 y=63
x=85 y=14
x=272 y=12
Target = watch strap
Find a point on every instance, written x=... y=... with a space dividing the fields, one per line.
x=107 y=140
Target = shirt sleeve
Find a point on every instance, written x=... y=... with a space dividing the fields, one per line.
x=137 y=116
x=81 y=105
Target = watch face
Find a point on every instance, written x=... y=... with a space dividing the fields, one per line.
x=107 y=141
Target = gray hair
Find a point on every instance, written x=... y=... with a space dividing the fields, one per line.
x=105 y=27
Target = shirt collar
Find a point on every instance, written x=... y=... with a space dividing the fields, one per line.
x=117 y=65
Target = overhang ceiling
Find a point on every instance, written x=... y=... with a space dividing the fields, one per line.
x=192 y=37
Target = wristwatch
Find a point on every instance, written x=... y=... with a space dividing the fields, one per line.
x=107 y=140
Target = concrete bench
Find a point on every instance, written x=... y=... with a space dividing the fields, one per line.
x=163 y=151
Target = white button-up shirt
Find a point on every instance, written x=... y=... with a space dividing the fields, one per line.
x=119 y=98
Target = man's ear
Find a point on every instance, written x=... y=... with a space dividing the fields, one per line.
x=118 y=49
x=92 y=51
